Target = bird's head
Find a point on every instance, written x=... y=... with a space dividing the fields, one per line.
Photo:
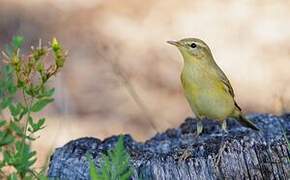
x=192 y=48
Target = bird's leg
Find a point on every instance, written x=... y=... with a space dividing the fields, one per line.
x=223 y=144
x=224 y=126
x=199 y=127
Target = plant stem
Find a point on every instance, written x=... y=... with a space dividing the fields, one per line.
x=27 y=105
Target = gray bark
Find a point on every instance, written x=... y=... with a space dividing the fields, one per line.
x=247 y=154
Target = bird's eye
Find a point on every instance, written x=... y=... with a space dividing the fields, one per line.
x=193 y=45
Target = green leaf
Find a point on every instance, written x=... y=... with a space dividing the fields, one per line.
x=24 y=158
x=8 y=70
x=40 y=123
x=40 y=104
x=120 y=160
x=11 y=88
x=42 y=177
x=15 y=127
x=24 y=110
x=6 y=139
x=106 y=168
x=6 y=102
x=31 y=123
x=116 y=164
x=49 y=92
x=126 y=175
x=30 y=177
x=15 y=110
x=2 y=164
x=2 y=122
x=30 y=162
x=44 y=92
x=93 y=170
x=17 y=41
x=7 y=157
x=35 y=126
x=12 y=176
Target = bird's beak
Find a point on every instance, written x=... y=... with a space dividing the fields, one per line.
x=175 y=43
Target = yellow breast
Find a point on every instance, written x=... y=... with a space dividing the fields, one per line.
x=206 y=93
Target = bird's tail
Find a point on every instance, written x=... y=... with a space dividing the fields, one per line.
x=247 y=123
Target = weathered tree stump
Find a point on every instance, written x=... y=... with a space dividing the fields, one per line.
x=247 y=154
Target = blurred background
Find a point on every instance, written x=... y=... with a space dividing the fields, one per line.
x=120 y=74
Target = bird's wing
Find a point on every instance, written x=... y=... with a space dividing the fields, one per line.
x=227 y=84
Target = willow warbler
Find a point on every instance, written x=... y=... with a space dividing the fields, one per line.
x=205 y=85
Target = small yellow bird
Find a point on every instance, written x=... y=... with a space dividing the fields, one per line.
x=205 y=85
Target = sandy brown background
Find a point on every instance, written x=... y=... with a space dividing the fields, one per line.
x=250 y=40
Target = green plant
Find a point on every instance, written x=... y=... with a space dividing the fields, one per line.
x=23 y=93
x=113 y=165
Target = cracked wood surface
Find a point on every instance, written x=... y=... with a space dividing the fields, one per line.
x=178 y=154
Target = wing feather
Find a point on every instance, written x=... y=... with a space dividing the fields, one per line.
x=227 y=84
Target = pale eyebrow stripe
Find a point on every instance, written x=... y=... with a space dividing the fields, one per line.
x=201 y=45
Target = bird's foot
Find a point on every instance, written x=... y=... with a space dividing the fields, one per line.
x=199 y=128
